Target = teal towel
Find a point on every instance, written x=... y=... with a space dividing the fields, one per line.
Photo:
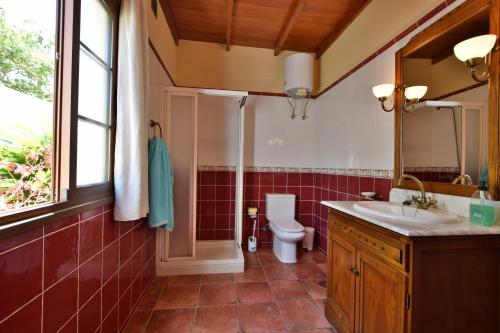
x=161 y=181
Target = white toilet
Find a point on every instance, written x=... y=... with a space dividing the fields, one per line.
x=280 y=212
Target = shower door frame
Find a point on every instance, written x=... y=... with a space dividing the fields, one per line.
x=162 y=236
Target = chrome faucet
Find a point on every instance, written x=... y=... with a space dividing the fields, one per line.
x=467 y=179
x=422 y=202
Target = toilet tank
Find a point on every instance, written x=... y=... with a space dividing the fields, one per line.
x=280 y=206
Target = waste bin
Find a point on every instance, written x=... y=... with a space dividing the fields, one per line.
x=308 y=240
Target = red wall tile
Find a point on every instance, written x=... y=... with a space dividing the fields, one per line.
x=89 y=317
x=61 y=254
x=20 y=276
x=60 y=302
x=28 y=318
x=89 y=278
x=90 y=237
x=70 y=283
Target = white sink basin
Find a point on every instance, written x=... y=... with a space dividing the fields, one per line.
x=395 y=212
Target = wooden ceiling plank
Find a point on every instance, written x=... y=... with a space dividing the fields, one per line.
x=170 y=20
x=299 y=5
x=356 y=9
x=229 y=23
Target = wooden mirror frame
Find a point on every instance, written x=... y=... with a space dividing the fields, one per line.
x=438 y=28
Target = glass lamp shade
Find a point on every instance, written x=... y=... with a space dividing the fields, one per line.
x=383 y=90
x=475 y=47
x=415 y=92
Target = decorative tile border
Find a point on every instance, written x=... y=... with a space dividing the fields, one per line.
x=431 y=169
x=376 y=173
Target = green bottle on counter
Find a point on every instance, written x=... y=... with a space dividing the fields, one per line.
x=482 y=210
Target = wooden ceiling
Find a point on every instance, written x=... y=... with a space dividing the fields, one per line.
x=296 y=25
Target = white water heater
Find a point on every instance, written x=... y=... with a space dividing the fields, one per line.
x=299 y=75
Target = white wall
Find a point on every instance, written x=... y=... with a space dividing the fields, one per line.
x=157 y=80
x=217 y=130
x=429 y=138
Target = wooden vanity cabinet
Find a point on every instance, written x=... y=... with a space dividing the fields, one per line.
x=382 y=282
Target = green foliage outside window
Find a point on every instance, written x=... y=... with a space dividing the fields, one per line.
x=26 y=65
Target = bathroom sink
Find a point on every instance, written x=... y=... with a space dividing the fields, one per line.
x=397 y=212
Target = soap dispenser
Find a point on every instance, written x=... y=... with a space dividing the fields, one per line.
x=482 y=210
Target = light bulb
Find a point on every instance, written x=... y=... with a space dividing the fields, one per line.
x=383 y=90
x=475 y=47
x=415 y=92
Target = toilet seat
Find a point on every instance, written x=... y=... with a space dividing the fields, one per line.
x=288 y=225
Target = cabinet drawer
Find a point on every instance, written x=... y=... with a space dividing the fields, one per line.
x=393 y=251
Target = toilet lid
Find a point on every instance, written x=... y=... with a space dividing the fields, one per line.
x=288 y=225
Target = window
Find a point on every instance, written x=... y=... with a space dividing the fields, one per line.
x=94 y=94
x=57 y=104
x=27 y=70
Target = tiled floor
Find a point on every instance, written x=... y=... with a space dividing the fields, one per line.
x=268 y=297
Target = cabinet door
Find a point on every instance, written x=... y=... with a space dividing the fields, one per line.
x=341 y=283
x=380 y=295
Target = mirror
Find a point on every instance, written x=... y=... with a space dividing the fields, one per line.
x=445 y=138
x=449 y=141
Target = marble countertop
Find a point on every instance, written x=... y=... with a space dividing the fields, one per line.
x=464 y=227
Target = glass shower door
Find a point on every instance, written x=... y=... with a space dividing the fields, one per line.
x=182 y=141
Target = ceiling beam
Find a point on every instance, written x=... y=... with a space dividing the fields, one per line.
x=170 y=20
x=229 y=23
x=299 y=5
x=356 y=9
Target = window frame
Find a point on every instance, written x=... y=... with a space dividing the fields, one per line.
x=67 y=198
x=75 y=192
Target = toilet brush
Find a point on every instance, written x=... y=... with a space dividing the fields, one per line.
x=252 y=241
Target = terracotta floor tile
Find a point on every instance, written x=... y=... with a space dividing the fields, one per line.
x=308 y=271
x=149 y=298
x=305 y=258
x=183 y=280
x=251 y=274
x=318 y=257
x=320 y=304
x=323 y=266
x=279 y=272
x=171 y=321
x=315 y=289
x=254 y=292
x=137 y=322
x=300 y=315
x=216 y=294
x=261 y=318
x=217 y=319
x=251 y=259
x=284 y=290
x=268 y=259
x=158 y=282
x=178 y=297
x=217 y=278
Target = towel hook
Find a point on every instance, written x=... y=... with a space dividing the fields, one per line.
x=153 y=124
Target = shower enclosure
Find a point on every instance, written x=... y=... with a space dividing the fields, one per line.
x=187 y=113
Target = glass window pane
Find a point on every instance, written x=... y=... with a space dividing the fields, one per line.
x=92 y=159
x=95 y=31
x=93 y=90
x=27 y=39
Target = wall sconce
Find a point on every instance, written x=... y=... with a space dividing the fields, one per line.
x=472 y=51
x=382 y=92
x=412 y=95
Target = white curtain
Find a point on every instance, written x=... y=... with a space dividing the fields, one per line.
x=131 y=159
